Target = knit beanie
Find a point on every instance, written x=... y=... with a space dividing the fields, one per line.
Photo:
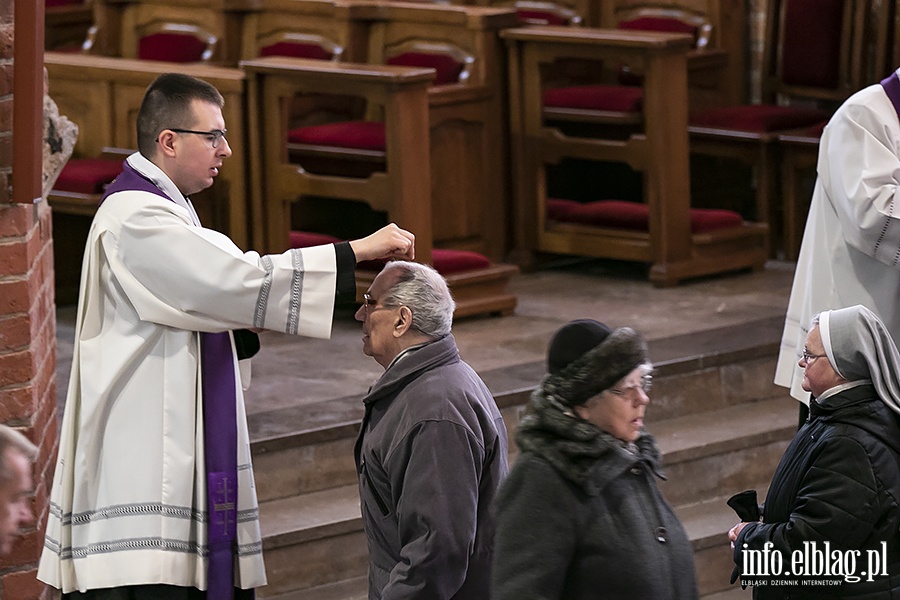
x=586 y=357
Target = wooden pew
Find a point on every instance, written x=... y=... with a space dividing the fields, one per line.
x=660 y=152
x=402 y=190
x=331 y=26
x=716 y=69
x=121 y=24
x=467 y=122
x=102 y=96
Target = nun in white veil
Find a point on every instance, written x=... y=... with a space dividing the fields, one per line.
x=860 y=348
x=839 y=479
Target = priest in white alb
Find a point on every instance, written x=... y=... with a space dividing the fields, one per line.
x=851 y=246
x=153 y=493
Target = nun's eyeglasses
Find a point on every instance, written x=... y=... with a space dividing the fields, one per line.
x=808 y=356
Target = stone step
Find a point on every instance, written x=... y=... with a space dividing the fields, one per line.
x=707 y=524
x=312 y=540
x=316 y=538
x=302 y=555
x=309 y=448
x=728 y=450
x=348 y=589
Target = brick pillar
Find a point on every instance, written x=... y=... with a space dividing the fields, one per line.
x=27 y=315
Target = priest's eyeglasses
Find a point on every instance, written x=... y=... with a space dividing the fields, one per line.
x=630 y=391
x=808 y=356
x=213 y=137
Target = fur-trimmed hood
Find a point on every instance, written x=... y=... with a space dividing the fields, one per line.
x=579 y=450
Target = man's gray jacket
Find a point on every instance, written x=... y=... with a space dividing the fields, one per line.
x=431 y=455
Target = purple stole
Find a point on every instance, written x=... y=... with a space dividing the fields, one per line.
x=891 y=87
x=219 y=431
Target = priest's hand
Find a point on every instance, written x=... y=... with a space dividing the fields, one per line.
x=388 y=242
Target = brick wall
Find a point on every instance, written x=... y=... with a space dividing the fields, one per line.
x=27 y=332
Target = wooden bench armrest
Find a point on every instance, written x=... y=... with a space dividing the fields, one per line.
x=325 y=71
x=622 y=41
x=446 y=95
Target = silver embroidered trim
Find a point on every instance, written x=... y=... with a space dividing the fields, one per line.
x=249 y=549
x=248 y=516
x=125 y=545
x=259 y=317
x=293 y=323
x=128 y=510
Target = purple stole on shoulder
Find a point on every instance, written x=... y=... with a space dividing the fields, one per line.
x=891 y=85
x=219 y=430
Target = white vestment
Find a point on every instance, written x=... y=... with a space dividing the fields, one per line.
x=851 y=245
x=128 y=504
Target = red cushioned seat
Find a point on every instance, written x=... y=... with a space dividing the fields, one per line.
x=446 y=262
x=171 y=47
x=362 y=135
x=87 y=175
x=596 y=97
x=557 y=209
x=759 y=118
x=297 y=50
x=447 y=68
x=635 y=216
x=307 y=239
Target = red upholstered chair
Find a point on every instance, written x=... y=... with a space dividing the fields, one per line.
x=438 y=172
x=619 y=99
x=82 y=181
x=466 y=119
x=300 y=45
x=74 y=200
x=817 y=53
x=633 y=216
x=358 y=146
x=654 y=223
x=175 y=42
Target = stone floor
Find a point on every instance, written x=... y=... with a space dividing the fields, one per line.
x=292 y=371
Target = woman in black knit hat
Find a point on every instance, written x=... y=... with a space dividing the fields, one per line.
x=580 y=516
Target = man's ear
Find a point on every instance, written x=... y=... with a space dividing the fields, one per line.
x=403 y=321
x=166 y=143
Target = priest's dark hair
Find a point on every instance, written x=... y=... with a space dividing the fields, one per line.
x=167 y=104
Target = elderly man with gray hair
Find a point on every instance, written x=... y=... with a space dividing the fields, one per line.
x=16 y=486
x=432 y=449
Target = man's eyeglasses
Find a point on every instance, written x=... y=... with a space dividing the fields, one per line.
x=645 y=385
x=809 y=356
x=215 y=136
x=370 y=303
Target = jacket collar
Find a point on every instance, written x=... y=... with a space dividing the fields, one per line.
x=580 y=451
x=415 y=361
x=849 y=396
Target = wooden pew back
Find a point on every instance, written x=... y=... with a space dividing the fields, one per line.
x=103 y=95
x=323 y=23
x=727 y=35
x=121 y=23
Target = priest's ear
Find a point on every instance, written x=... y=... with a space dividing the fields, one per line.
x=165 y=143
